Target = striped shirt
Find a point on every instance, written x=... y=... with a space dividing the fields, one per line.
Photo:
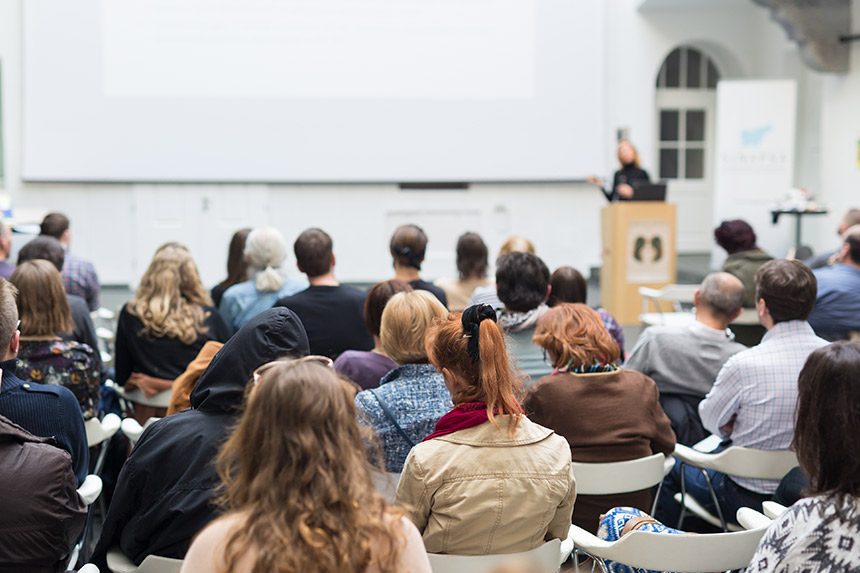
x=760 y=386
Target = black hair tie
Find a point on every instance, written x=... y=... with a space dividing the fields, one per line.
x=472 y=319
x=413 y=257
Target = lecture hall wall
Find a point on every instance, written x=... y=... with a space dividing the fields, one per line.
x=120 y=225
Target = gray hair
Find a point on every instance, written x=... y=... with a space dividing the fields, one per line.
x=722 y=294
x=265 y=250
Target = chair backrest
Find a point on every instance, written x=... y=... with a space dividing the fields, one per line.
x=90 y=489
x=686 y=553
x=543 y=559
x=618 y=477
x=160 y=400
x=156 y=564
x=752 y=519
x=385 y=484
x=773 y=509
x=99 y=431
x=750 y=463
x=674 y=293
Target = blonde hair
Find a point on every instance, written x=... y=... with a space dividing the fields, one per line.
x=296 y=469
x=169 y=301
x=516 y=244
x=405 y=321
x=42 y=303
x=266 y=250
x=633 y=147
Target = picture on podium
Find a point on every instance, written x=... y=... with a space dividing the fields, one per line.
x=647 y=255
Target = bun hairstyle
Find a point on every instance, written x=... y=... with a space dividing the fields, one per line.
x=471 y=345
x=266 y=250
x=408 y=245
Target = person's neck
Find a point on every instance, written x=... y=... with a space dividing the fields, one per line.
x=850 y=263
x=324 y=280
x=377 y=346
x=407 y=274
x=710 y=320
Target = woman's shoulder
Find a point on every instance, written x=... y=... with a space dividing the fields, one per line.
x=207 y=549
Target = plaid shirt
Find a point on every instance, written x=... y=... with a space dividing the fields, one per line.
x=80 y=278
x=760 y=386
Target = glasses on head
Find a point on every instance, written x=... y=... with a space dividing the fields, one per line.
x=323 y=360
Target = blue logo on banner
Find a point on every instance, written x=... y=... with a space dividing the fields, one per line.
x=753 y=137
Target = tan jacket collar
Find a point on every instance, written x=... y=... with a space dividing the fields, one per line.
x=487 y=434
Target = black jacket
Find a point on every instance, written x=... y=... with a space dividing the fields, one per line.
x=629 y=174
x=164 y=491
x=42 y=514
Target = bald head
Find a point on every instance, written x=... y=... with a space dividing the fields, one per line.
x=722 y=295
x=850 y=219
x=852 y=242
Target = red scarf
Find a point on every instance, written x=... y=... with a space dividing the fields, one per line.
x=463 y=416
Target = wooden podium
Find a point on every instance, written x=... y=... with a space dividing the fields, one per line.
x=638 y=250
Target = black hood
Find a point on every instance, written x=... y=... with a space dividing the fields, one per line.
x=273 y=334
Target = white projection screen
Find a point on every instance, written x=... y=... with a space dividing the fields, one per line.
x=313 y=90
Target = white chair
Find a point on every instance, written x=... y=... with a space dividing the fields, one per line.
x=734 y=461
x=385 y=484
x=752 y=519
x=773 y=509
x=674 y=294
x=117 y=562
x=665 y=552
x=160 y=400
x=748 y=316
x=89 y=491
x=544 y=559
x=98 y=433
x=132 y=429
x=104 y=321
x=622 y=477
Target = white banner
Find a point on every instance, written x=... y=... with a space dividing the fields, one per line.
x=755 y=158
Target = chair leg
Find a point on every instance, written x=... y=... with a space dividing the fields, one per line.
x=656 y=499
x=683 y=499
x=716 y=501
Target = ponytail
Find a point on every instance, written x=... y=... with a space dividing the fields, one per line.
x=495 y=381
x=269 y=280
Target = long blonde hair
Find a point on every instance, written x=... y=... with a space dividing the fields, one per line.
x=169 y=301
x=296 y=470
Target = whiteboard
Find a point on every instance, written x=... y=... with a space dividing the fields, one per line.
x=313 y=90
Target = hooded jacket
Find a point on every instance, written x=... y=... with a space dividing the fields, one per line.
x=42 y=513
x=164 y=492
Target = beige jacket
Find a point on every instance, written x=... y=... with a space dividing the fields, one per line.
x=478 y=492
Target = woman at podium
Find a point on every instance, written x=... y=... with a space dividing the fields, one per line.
x=627 y=177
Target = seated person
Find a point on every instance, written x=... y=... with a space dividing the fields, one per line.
x=472 y=267
x=836 y=313
x=43 y=410
x=568 y=285
x=331 y=312
x=684 y=360
x=44 y=357
x=411 y=398
x=265 y=251
x=164 y=493
x=487 y=480
x=408 y=247
x=79 y=275
x=43 y=515
x=820 y=533
x=487 y=294
x=237 y=266
x=367 y=368
x=753 y=400
x=606 y=413
x=295 y=508
x=522 y=281
x=848 y=220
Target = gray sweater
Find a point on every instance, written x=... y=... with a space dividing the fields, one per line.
x=683 y=359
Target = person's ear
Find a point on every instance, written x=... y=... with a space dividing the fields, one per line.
x=332 y=260
x=15 y=343
x=548 y=290
x=696 y=297
x=301 y=270
x=737 y=315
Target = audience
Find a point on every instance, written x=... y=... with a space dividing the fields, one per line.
x=79 y=275
x=265 y=251
x=487 y=480
x=367 y=368
x=41 y=409
x=237 y=266
x=606 y=413
x=753 y=400
x=6 y=267
x=50 y=249
x=408 y=247
x=164 y=494
x=412 y=397
x=568 y=285
x=42 y=515
x=848 y=220
x=297 y=486
x=821 y=533
x=162 y=329
x=522 y=281
x=836 y=314
x=43 y=356
x=487 y=294
x=331 y=312
x=472 y=266
x=180 y=397
x=684 y=360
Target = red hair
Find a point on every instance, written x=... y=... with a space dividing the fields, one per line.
x=489 y=379
x=573 y=333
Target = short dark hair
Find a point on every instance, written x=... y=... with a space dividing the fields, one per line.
x=8 y=313
x=377 y=297
x=853 y=242
x=735 y=236
x=313 y=252
x=54 y=225
x=568 y=285
x=43 y=247
x=788 y=288
x=522 y=280
x=827 y=428
x=408 y=245
x=472 y=255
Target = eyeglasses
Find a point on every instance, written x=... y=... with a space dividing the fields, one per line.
x=323 y=360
